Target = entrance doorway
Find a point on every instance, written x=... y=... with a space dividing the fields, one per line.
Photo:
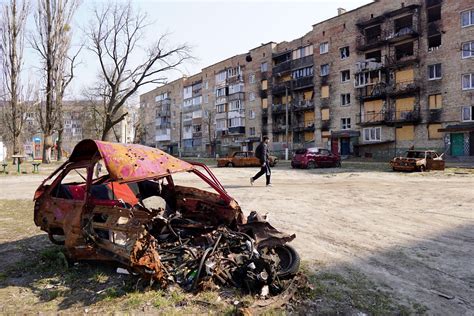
x=345 y=146
x=471 y=144
x=457 y=144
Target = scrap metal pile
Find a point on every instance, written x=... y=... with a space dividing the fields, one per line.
x=253 y=257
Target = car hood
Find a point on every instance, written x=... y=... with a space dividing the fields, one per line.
x=129 y=162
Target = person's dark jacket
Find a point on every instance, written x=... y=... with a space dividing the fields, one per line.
x=261 y=152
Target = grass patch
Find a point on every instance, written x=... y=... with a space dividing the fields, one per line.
x=349 y=292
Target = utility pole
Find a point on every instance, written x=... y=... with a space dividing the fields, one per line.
x=180 y=146
x=286 y=122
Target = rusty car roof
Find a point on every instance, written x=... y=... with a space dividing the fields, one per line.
x=129 y=162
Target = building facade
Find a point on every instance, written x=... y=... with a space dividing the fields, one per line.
x=370 y=82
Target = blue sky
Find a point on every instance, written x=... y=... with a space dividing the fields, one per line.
x=215 y=29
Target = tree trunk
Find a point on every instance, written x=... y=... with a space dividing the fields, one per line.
x=60 y=143
x=47 y=145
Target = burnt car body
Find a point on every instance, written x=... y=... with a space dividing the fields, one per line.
x=418 y=160
x=314 y=157
x=244 y=159
x=104 y=217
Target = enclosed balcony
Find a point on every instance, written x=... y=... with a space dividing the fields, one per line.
x=404 y=116
x=303 y=105
x=376 y=91
x=369 y=118
x=406 y=87
x=305 y=126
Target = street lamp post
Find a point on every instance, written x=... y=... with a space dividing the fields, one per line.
x=286 y=122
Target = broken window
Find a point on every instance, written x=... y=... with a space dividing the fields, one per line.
x=345 y=99
x=376 y=55
x=434 y=13
x=404 y=50
x=345 y=75
x=434 y=42
x=372 y=34
x=344 y=51
x=404 y=25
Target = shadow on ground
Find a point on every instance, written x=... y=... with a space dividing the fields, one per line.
x=432 y=276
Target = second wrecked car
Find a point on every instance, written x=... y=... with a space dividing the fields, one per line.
x=195 y=239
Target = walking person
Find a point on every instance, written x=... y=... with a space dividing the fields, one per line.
x=261 y=152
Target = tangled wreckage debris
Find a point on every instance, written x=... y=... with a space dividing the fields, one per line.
x=199 y=240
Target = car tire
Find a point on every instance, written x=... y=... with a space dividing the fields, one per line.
x=422 y=168
x=293 y=166
x=229 y=164
x=338 y=164
x=311 y=165
x=289 y=261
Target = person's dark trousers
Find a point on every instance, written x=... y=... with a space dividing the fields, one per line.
x=264 y=170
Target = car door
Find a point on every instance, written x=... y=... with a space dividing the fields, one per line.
x=324 y=157
x=252 y=161
x=239 y=159
x=434 y=162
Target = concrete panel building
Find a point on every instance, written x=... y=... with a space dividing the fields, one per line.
x=369 y=82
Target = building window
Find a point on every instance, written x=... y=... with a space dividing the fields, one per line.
x=221 y=76
x=468 y=49
x=263 y=67
x=324 y=92
x=252 y=114
x=252 y=96
x=467 y=18
x=468 y=81
x=303 y=52
x=252 y=131
x=434 y=72
x=206 y=85
x=345 y=99
x=236 y=105
x=323 y=48
x=346 y=123
x=220 y=124
x=468 y=113
x=252 y=78
x=325 y=70
x=434 y=42
x=206 y=98
x=433 y=132
x=303 y=72
x=345 y=76
x=233 y=72
x=435 y=101
x=220 y=108
x=236 y=121
x=344 y=51
x=220 y=92
x=372 y=134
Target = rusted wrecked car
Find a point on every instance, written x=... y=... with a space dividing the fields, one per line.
x=195 y=239
x=418 y=160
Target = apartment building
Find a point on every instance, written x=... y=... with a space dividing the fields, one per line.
x=370 y=82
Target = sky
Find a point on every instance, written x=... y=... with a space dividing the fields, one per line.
x=215 y=30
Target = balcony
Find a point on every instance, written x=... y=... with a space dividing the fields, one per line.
x=191 y=108
x=281 y=88
x=364 y=43
x=305 y=105
x=282 y=67
x=236 y=96
x=434 y=115
x=303 y=83
x=432 y=3
x=403 y=88
x=187 y=135
x=280 y=108
x=279 y=128
x=369 y=65
x=197 y=134
x=403 y=116
x=302 y=62
x=324 y=80
x=397 y=34
x=372 y=92
x=163 y=125
x=163 y=137
x=237 y=130
x=162 y=113
x=325 y=125
x=263 y=94
x=221 y=100
x=306 y=126
x=371 y=118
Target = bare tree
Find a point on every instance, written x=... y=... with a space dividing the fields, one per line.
x=52 y=41
x=208 y=122
x=13 y=20
x=116 y=33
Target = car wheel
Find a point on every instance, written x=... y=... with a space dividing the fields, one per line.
x=311 y=165
x=229 y=164
x=338 y=164
x=422 y=168
x=289 y=261
x=293 y=166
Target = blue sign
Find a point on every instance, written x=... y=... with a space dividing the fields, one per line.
x=37 y=140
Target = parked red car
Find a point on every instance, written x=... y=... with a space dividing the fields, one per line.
x=315 y=157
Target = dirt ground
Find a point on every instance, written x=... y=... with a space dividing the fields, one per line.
x=412 y=234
